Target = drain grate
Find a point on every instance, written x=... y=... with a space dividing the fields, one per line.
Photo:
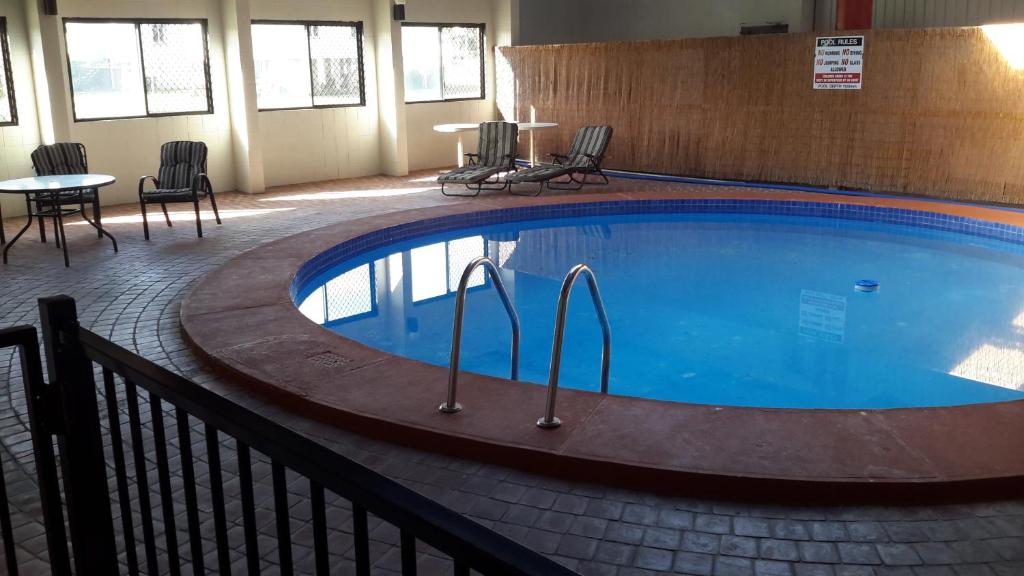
x=329 y=360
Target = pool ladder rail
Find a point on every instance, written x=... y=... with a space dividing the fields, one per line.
x=549 y=420
x=450 y=406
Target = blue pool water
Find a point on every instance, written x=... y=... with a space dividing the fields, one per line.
x=723 y=309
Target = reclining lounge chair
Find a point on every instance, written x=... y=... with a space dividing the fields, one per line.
x=496 y=153
x=584 y=158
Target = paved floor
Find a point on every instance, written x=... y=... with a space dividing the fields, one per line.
x=133 y=298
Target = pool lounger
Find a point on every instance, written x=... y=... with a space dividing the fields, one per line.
x=496 y=154
x=584 y=158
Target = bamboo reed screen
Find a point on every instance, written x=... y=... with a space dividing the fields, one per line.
x=941 y=112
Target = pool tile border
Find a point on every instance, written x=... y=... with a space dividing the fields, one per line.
x=897 y=454
x=860 y=212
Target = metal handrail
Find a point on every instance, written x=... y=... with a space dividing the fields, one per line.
x=549 y=420
x=450 y=406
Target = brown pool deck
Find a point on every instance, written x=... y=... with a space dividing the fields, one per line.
x=241 y=318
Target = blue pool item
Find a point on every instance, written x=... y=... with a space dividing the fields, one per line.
x=726 y=308
x=866 y=286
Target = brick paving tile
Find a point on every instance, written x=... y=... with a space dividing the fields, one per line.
x=653 y=559
x=772 y=568
x=134 y=298
x=738 y=546
x=731 y=566
x=898 y=554
x=814 y=570
x=693 y=563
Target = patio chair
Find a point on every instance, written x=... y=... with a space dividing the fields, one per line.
x=496 y=153
x=182 y=178
x=64 y=158
x=584 y=158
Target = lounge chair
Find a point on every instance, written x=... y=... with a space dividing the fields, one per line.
x=64 y=158
x=182 y=178
x=584 y=158
x=495 y=154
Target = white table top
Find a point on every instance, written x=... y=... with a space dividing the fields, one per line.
x=525 y=126
x=55 y=183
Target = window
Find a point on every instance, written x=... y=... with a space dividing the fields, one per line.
x=138 y=68
x=8 y=108
x=443 y=62
x=308 y=64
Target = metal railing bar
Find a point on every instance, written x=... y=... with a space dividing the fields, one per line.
x=6 y=530
x=156 y=412
x=141 y=481
x=195 y=535
x=120 y=472
x=252 y=547
x=284 y=534
x=431 y=522
x=220 y=524
x=361 y=533
x=549 y=420
x=407 y=542
x=319 y=506
x=450 y=406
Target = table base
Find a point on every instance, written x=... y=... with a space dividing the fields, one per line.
x=57 y=212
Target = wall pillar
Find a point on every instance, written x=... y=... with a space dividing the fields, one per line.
x=854 y=14
x=394 y=148
x=241 y=75
x=52 y=90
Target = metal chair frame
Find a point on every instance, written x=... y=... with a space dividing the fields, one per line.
x=200 y=181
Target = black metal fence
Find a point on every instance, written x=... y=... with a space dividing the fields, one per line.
x=177 y=514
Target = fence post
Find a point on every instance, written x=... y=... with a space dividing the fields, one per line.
x=43 y=424
x=90 y=521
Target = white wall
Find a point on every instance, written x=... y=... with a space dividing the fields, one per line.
x=933 y=13
x=17 y=142
x=569 y=21
x=429 y=149
x=328 y=143
x=129 y=149
x=295 y=146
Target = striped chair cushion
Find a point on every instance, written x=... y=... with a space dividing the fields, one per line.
x=592 y=140
x=470 y=174
x=179 y=195
x=539 y=173
x=498 y=143
x=60 y=158
x=179 y=163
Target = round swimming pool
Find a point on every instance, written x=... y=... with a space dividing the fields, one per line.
x=738 y=303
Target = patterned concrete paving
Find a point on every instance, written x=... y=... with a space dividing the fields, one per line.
x=133 y=298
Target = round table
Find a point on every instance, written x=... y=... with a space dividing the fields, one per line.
x=523 y=126
x=47 y=194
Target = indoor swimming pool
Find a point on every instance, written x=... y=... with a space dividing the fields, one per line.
x=746 y=304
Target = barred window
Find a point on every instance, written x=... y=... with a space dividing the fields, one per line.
x=443 y=62
x=308 y=64
x=138 y=68
x=8 y=108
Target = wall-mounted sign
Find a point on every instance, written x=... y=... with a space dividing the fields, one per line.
x=839 y=63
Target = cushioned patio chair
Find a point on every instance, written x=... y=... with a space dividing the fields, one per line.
x=64 y=158
x=182 y=178
x=584 y=158
x=496 y=153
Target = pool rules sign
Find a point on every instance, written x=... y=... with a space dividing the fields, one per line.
x=839 y=63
